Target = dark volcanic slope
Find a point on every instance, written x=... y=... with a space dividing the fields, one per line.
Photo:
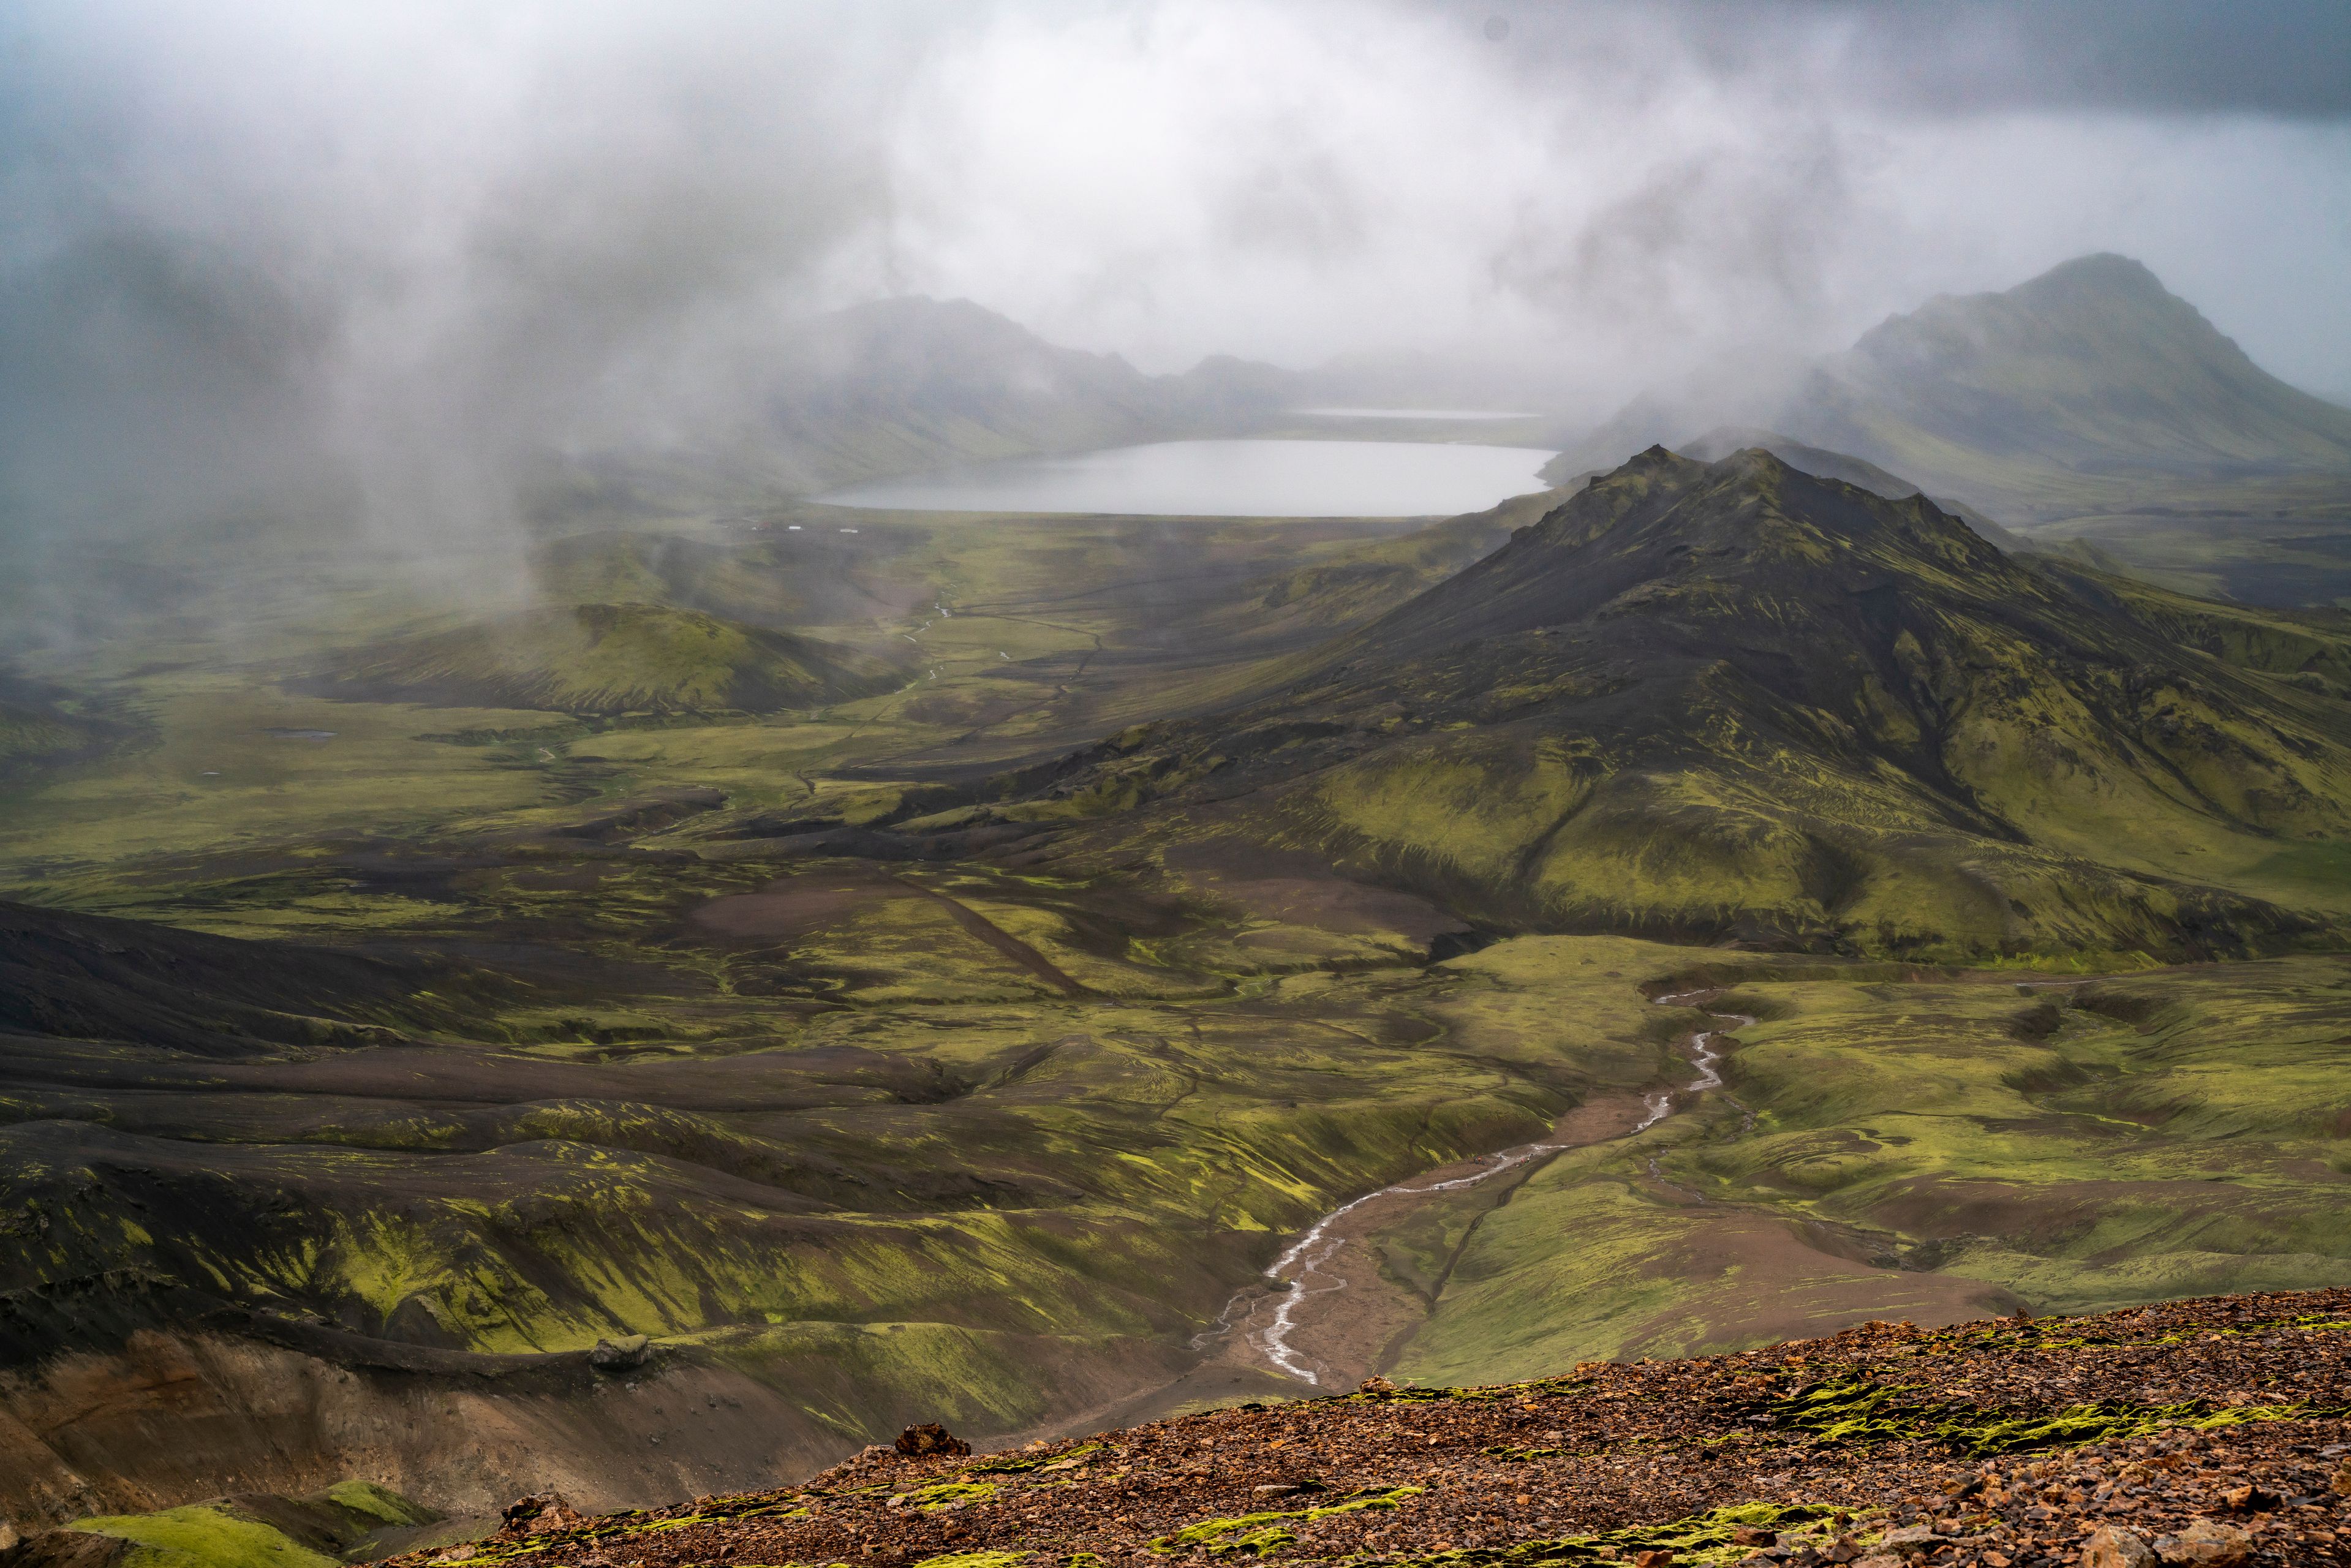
x=86 y=978
x=2009 y=1444
x=1734 y=699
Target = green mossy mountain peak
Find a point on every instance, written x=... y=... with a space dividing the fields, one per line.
x=2090 y=389
x=1737 y=699
x=2092 y=371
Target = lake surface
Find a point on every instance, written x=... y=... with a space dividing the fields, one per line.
x=1226 y=479
x=1437 y=413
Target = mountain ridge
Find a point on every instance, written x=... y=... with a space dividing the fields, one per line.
x=1736 y=699
x=2073 y=390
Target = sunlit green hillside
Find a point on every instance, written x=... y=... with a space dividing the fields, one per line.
x=606 y=658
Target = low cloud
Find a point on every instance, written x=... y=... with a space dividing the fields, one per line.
x=381 y=265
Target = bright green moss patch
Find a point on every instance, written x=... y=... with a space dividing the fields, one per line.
x=199 y=1536
x=945 y=1494
x=1703 y=1538
x=1859 y=1410
x=1016 y=1464
x=377 y=1503
x=1253 y=1534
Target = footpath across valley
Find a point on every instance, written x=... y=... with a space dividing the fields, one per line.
x=2212 y=1432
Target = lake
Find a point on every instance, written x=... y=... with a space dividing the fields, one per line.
x=1456 y=415
x=1226 y=479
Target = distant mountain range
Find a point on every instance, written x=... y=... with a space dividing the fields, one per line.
x=903 y=384
x=2090 y=389
x=2075 y=392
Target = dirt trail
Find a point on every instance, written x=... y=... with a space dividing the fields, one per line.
x=1003 y=941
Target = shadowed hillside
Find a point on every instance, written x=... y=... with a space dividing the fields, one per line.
x=1821 y=463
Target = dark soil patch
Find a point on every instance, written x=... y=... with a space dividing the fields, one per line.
x=796 y=905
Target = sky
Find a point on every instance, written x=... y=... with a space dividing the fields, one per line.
x=385 y=256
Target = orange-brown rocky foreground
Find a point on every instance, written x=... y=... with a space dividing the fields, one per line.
x=2212 y=1431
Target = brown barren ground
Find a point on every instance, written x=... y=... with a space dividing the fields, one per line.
x=2005 y=1443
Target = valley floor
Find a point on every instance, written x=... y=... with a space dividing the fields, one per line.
x=373 y=1050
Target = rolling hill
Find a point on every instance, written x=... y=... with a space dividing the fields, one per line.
x=1737 y=700
x=606 y=658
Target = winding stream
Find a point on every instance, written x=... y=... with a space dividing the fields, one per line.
x=1301 y=1264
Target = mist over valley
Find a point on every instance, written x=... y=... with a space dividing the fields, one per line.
x=1059 y=786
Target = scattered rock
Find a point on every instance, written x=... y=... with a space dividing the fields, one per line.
x=1623 y=1447
x=625 y=1354
x=2113 y=1547
x=1376 y=1385
x=930 y=1437
x=2342 y=1482
x=2207 y=1544
x=540 y=1512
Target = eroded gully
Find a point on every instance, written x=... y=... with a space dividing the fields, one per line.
x=1306 y=1265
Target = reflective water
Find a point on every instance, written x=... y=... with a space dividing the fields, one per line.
x=1437 y=413
x=1226 y=479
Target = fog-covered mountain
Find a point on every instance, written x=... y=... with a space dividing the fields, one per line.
x=2065 y=394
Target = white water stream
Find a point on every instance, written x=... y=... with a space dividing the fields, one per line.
x=1311 y=1251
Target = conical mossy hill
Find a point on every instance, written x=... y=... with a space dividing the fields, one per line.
x=607 y=660
x=1735 y=700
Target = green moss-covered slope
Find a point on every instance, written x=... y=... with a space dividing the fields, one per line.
x=2074 y=383
x=347 y=1522
x=1734 y=699
x=607 y=659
